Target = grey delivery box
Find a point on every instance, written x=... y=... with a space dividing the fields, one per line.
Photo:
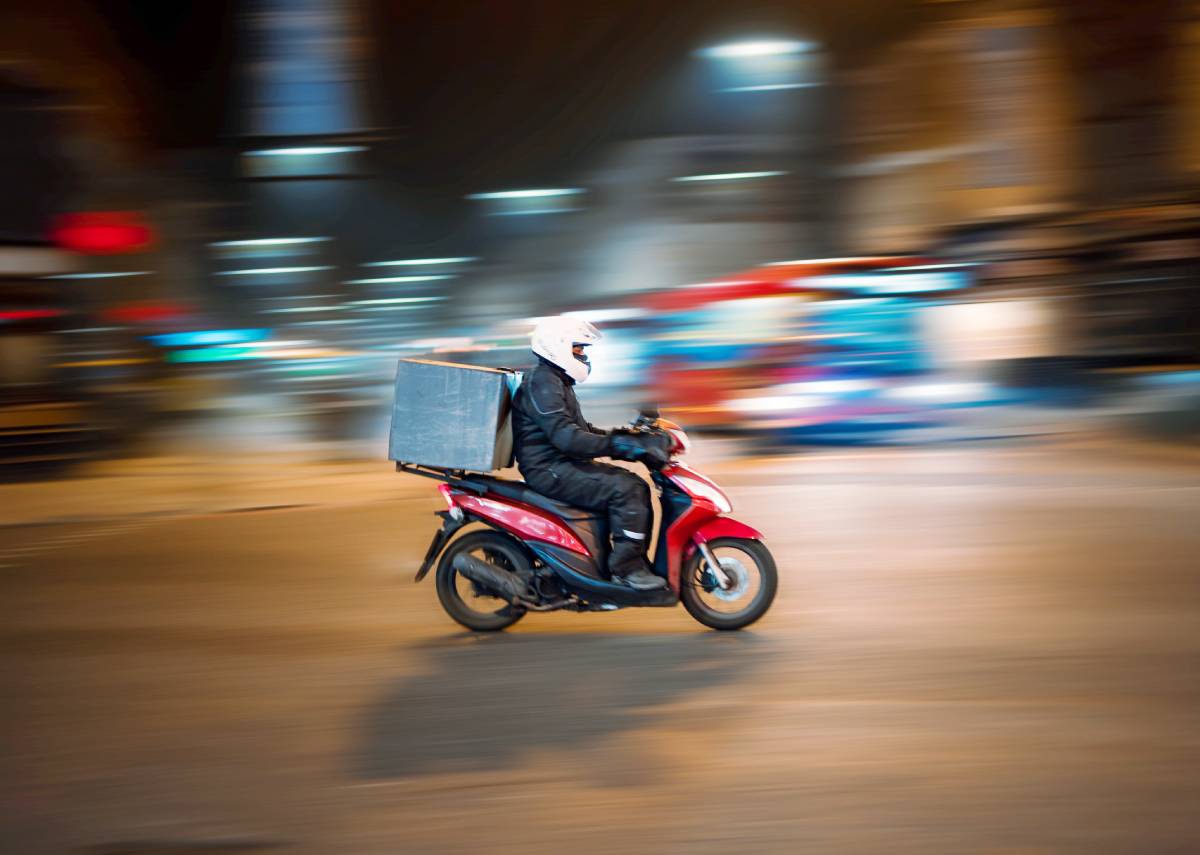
x=451 y=416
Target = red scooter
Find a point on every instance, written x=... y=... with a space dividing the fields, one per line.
x=535 y=554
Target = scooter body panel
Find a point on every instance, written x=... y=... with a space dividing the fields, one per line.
x=572 y=569
x=524 y=521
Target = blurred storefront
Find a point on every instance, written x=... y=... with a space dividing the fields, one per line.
x=964 y=121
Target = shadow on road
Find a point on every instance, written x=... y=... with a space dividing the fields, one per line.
x=483 y=701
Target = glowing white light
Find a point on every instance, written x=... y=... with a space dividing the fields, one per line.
x=940 y=392
x=420 y=262
x=743 y=50
x=598 y=316
x=828 y=387
x=297 y=342
x=113 y=275
x=306 y=151
x=387 y=280
x=730 y=176
x=887 y=283
x=859 y=258
x=263 y=271
x=778 y=403
x=301 y=309
x=389 y=300
x=285 y=241
x=528 y=194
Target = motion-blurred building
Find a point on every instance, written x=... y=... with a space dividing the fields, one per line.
x=967 y=120
x=1033 y=142
x=658 y=214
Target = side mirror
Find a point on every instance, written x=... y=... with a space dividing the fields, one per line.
x=649 y=411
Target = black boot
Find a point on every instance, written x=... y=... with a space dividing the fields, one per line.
x=627 y=563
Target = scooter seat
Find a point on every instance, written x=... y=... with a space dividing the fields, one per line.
x=522 y=492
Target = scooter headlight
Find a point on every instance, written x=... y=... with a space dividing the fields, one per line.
x=706 y=491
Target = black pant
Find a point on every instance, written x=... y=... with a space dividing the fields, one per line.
x=600 y=487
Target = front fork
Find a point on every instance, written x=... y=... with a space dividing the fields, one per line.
x=714 y=566
x=450 y=526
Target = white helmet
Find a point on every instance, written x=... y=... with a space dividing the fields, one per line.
x=554 y=339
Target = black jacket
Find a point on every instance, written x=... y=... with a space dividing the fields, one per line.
x=548 y=425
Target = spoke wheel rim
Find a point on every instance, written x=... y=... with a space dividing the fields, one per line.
x=745 y=577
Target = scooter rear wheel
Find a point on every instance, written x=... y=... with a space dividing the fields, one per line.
x=751 y=570
x=462 y=599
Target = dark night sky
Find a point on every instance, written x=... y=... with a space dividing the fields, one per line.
x=489 y=93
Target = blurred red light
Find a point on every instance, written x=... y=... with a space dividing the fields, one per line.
x=143 y=313
x=102 y=232
x=28 y=314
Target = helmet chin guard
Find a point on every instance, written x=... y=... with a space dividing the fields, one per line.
x=555 y=338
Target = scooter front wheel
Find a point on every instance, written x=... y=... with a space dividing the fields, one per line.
x=751 y=584
x=466 y=602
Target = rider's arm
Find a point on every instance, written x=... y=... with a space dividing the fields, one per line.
x=548 y=407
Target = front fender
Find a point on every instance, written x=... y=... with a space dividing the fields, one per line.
x=724 y=527
x=718 y=527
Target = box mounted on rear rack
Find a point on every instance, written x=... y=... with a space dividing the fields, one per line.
x=449 y=416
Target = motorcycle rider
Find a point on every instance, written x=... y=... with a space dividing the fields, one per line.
x=556 y=448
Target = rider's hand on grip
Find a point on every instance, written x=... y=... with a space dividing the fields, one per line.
x=640 y=448
x=656 y=458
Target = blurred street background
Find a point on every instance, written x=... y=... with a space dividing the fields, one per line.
x=920 y=279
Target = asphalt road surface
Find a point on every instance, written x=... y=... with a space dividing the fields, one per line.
x=986 y=649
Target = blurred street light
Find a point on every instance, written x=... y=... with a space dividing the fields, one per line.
x=112 y=275
x=548 y=200
x=390 y=280
x=755 y=49
x=765 y=65
x=284 y=241
x=730 y=176
x=262 y=271
x=306 y=151
x=420 y=262
x=528 y=194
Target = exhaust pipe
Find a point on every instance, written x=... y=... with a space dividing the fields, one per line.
x=508 y=586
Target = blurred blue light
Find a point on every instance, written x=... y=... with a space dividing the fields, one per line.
x=530 y=211
x=769 y=87
x=213 y=354
x=210 y=337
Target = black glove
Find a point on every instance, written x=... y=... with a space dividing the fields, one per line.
x=649 y=449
